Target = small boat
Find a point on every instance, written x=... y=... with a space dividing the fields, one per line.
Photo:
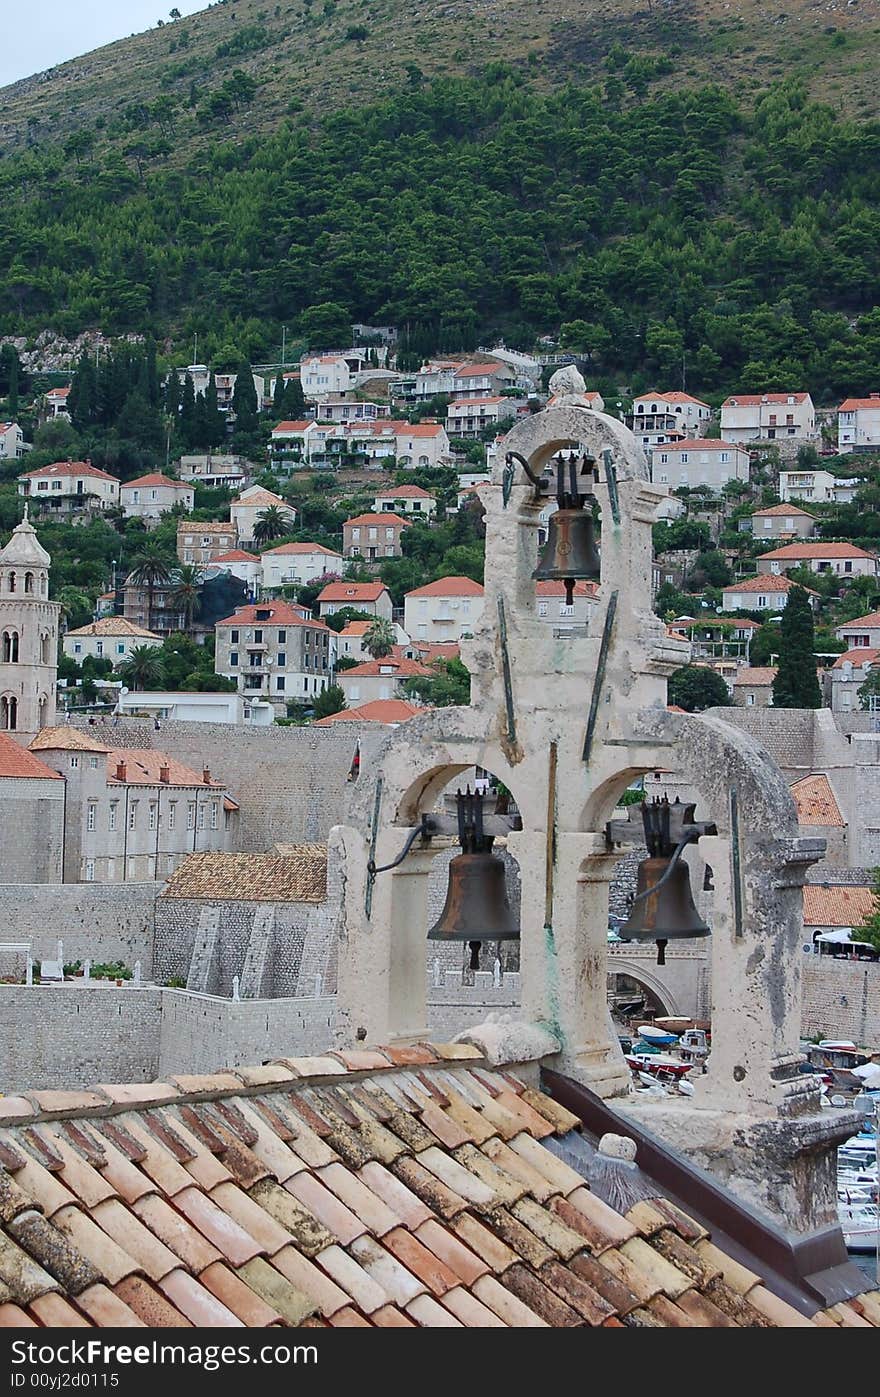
x=860 y=1223
x=658 y=1065
x=656 y=1035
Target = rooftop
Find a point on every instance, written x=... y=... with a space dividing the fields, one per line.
x=857 y=658
x=18 y=762
x=449 y=587
x=697 y=444
x=870 y=622
x=144 y=767
x=837 y=905
x=818 y=550
x=378 y=711
x=271 y=613
x=779 y=511
x=755 y=399
x=295 y=549
x=395 y=1187
x=854 y=404
x=69 y=468
x=766 y=582
x=754 y=675
x=352 y=592
x=115 y=626
x=673 y=397
x=156 y=478
x=401 y=668
x=404 y=492
x=257 y=497
x=66 y=739
x=297 y=875
x=375 y=519
x=236 y=555
x=815 y=801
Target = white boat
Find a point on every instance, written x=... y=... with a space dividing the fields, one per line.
x=656 y=1035
x=860 y=1222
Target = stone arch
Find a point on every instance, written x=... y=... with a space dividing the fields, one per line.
x=8 y=713
x=10 y=647
x=29 y=584
x=46 y=648
x=649 y=981
x=12 y=581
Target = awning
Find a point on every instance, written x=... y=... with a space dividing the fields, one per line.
x=841 y=936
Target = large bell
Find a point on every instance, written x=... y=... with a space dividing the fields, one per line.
x=669 y=914
x=477 y=907
x=570 y=553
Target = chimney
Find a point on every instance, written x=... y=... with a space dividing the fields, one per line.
x=206 y=776
x=165 y=773
x=120 y=771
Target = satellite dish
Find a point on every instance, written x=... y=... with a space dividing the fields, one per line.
x=123 y=689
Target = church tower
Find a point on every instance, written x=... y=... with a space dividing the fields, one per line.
x=28 y=634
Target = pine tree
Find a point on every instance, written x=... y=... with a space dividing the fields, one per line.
x=796 y=684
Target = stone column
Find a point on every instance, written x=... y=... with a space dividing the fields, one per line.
x=407 y=981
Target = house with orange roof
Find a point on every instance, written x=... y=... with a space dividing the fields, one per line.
x=370 y=597
x=817 y=487
x=241 y=564
x=109 y=638
x=350 y=643
x=782 y=521
x=552 y=608
x=861 y=634
x=387 y=711
x=444 y=610
x=69 y=487
x=151 y=496
x=753 y=686
x=251 y=504
x=380 y=679
x=858 y=425
x=298 y=563
x=275 y=653
x=820 y=814
x=31 y=816
x=406 y=499
x=842 y=559
x=201 y=542
x=327 y=375
x=766 y=592
x=747 y=417
x=834 y=913
x=847 y=675
x=132 y=814
x=56 y=402
x=373 y=537
x=674 y=413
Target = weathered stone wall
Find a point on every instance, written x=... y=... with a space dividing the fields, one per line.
x=32 y=830
x=102 y=921
x=841 y=999
x=76 y=1035
x=199 y=1034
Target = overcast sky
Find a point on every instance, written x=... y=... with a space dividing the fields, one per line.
x=38 y=35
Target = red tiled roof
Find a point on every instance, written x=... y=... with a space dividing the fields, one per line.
x=436 y=650
x=778 y=511
x=292 y=549
x=281 y=613
x=69 y=468
x=557 y=589
x=756 y=399
x=58 y=392
x=235 y=555
x=766 y=582
x=114 y=626
x=837 y=905
x=18 y=762
x=871 y=622
x=66 y=739
x=352 y=591
x=853 y=404
x=404 y=492
x=143 y=766
x=378 y=711
x=756 y=675
x=402 y=669
x=156 y=478
x=256 y=497
x=293 y=426
x=475 y=402
x=815 y=801
x=356 y=628
x=857 y=658
x=449 y=587
x=386 y=518
x=698 y=444
x=818 y=550
x=476 y=370
x=411 y=429
x=673 y=397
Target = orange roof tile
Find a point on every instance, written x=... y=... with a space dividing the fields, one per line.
x=235 y=555
x=557 y=589
x=778 y=511
x=66 y=739
x=673 y=397
x=144 y=766
x=297 y=549
x=401 y=669
x=871 y=622
x=114 y=626
x=376 y=519
x=857 y=658
x=766 y=582
x=298 y=875
x=854 y=404
x=356 y=628
x=818 y=550
x=280 y=613
x=378 y=711
x=476 y=370
x=755 y=399
x=699 y=444
x=815 y=801
x=69 y=468
x=755 y=675
x=299 y=426
x=404 y=492
x=156 y=478
x=18 y=761
x=352 y=592
x=837 y=905
x=449 y=587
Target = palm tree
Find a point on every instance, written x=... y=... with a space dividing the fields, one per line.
x=150 y=570
x=380 y=639
x=144 y=667
x=271 y=524
x=186 y=591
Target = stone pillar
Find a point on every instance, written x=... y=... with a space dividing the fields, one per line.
x=407 y=1009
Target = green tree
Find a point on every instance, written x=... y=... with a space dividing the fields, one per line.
x=150 y=569
x=796 y=684
x=694 y=687
x=870 y=929
x=870 y=689
x=186 y=591
x=380 y=639
x=329 y=700
x=450 y=685
x=143 y=669
x=272 y=523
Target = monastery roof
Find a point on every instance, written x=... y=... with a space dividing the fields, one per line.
x=404 y=492
x=387 y=517
x=778 y=511
x=449 y=587
x=297 y=875
x=281 y=613
x=871 y=622
x=156 y=478
x=68 y=468
x=402 y=1187
x=766 y=582
x=837 y=905
x=19 y=762
x=352 y=591
x=66 y=739
x=860 y=656
x=815 y=801
x=377 y=711
x=818 y=550
x=115 y=626
x=755 y=675
x=144 y=765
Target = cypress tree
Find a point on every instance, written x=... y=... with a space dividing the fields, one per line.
x=82 y=402
x=188 y=423
x=796 y=684
x=214 y=420
x=173 y=395
x=294 y=402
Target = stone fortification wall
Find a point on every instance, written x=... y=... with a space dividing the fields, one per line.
x=32 y=830
x=101 y=921
x=75 y=1035
x=841 y=999
x=199 y=1034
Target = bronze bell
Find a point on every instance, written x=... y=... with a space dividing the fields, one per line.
x=477 y=907
x=570 y=554
x=663 y=908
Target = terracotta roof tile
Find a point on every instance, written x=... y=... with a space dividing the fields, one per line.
x=297 y=877
x=837 y=905
x=815 y=801
x=105 y=1309
x=149 y=1305
x=18 y=762
x=250 y=1308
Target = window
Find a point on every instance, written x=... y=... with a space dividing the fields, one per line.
x=258 y=637
x=542 y=608
x=91 y=815
x=233 y=658
x=111 y=818
x=762 y=602
x=74 y=763
x=90 y=870
x=120 y=649
x=215 y=810
x=201 y=817
x=153 y=813
x=750 y=700
x=172 y=814
x=389 y=550
x=233 y=637
x=279 y=683
x=389 y=533
x=99 y=648
x=132 y=815
x=77 y=648
x=282 y=640
x=282 y=657
x=191 y=814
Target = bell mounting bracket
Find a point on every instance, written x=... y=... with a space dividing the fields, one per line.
x=575 y=476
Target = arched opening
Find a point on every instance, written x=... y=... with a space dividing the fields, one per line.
x=44 y=586
x=29 y=584
x=8 y=713
x=634 y=997
x=46 y=649
x=12 y=582
x=10 y=647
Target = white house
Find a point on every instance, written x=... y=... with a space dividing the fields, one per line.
x=380 y=679
x=819 y=486
x=350 y=640
x=698 y=461
x=444 y=610
x=767 y=592
x=691 y=415
x=861 y=634
x=184 y=707
x=12 y=443
x=848 y=673
x=247 y=508
x=858 y=424
x=370 y=597
x=151 y=496
x=111 y=638
x=419 y=444
x=56 y=402
x=351 y=410
x=406 y=499
x=297 y=563
x=377 y=443
x=468 y=417
x=214 y=471
x=274 y=653
x=768 y=417
x=326 y=376
x=245 y=566
x=552 y=608
x=67 y=487
x=843 y=559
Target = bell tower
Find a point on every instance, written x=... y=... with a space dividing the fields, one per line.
x=28 y=634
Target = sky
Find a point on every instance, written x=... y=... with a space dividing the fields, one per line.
x=36 y=36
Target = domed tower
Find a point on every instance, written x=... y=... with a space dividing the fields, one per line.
x=28 y=634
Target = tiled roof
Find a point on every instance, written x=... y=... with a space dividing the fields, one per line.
x=397 y=1187
x=766 y=582
x=352 y=592
x=755 y=675
x=871 y=622
x=466 y=403
x=156 y=478
x=69 y=468
x=115 y=626
x=815 y=801
x=143 y=767
x=18 y=761
x=385 y=518
x=299 y=875
x=674 y=397
x=476 y=370
x=295 y=549
x=65 y=739
x=590 y=396
x=853 y=404
x=857 y=658
x=256 y=497
x=356 y=628
x=292 y=426
x=281 y=613
x=431 y=650
x=411 y=429
x=235 y=555
x=778 y=511
x=199 y=526
x=756 y=399
x=818 y=550
x=377 y=711
x=372 y=669
x=404 y=492
x=837 y=905
x=697 y=444
x=449 y=587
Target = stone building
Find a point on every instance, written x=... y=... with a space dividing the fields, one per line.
x=151 y=496
x=248 y=507
x=782 y=521
x=275 y=654
x=110 y=638
x=31 y=818
x=28 y=634
x=373 y=537
x=753 y=685
x=371 y=597
x=132 y=814
x=203 y=542
x=444 y=610
x=69 y=488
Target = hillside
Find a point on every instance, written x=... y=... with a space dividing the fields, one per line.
x=324 y=54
